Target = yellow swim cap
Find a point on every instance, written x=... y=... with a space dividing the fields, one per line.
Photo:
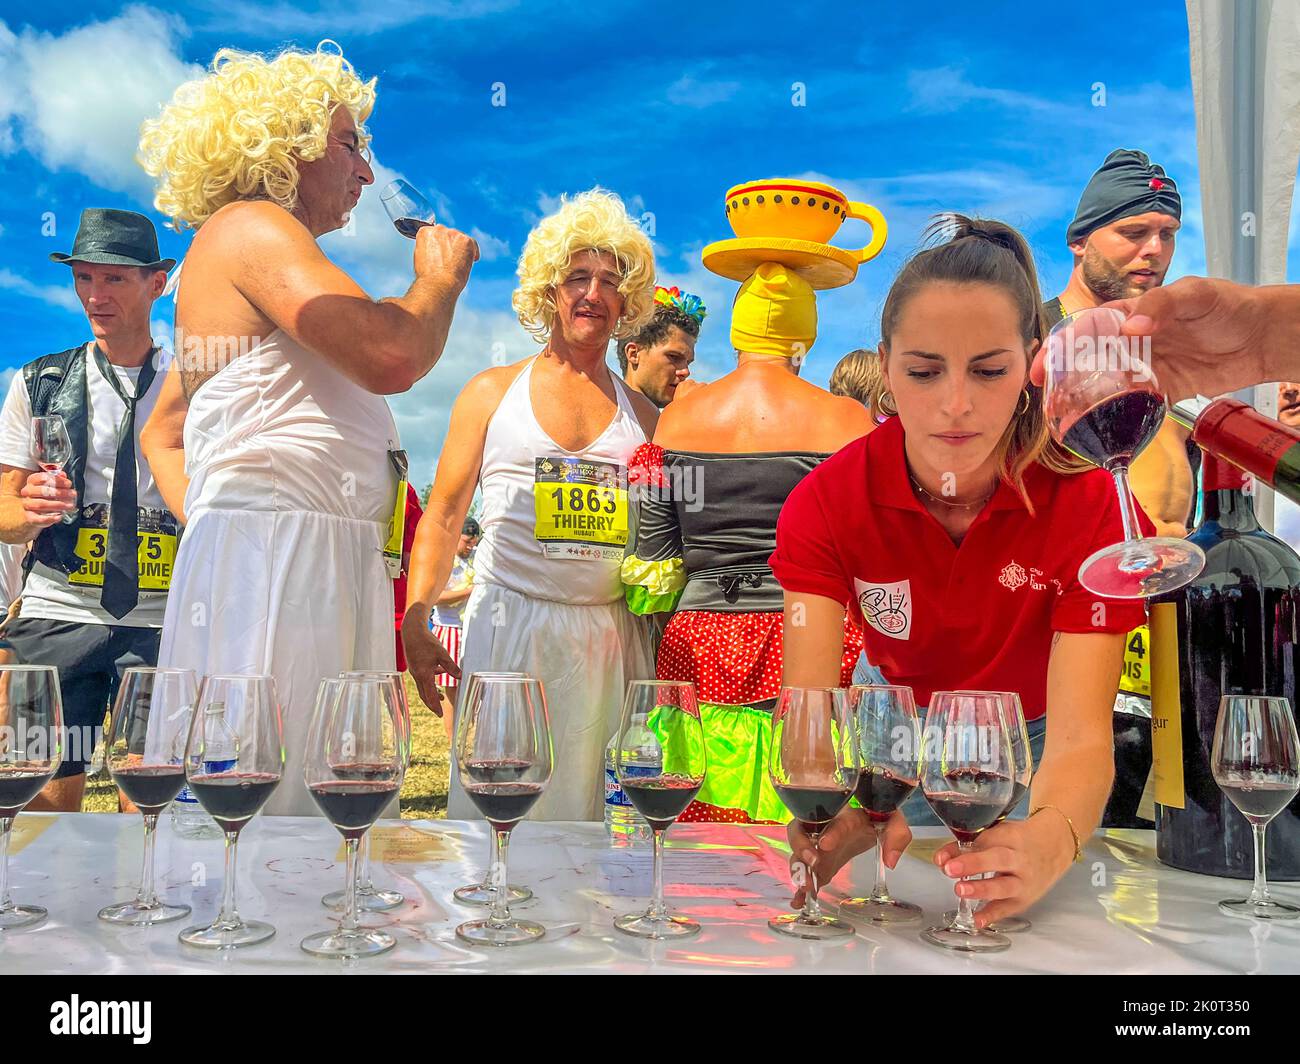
x=775 y=313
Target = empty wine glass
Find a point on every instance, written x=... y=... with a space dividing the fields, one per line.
x=968 y=777
x=660 y=762
x=356 y=759
x=1256 y=762
x=504 y=757
x=145 y=754
x=813 y=765
x=370 y=898
x=484 y=892
x=52 y=448
x=31 y=711
x=233 y=762
x=889 y=737
x=1103 y=402
x=408 y=209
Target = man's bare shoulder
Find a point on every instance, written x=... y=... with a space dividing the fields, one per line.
x=484 y=391
x=252 y=226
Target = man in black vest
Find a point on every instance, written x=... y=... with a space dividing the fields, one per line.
x=97 y=582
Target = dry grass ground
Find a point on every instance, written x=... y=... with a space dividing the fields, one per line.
x=424 y=794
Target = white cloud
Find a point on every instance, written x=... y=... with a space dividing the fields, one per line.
x=56 y=295
x=339 y=17
x=698 y=89
x=490 y=247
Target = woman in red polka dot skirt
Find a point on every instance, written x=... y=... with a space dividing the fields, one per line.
x=706 y=496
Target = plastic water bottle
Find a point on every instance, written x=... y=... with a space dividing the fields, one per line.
x=623 y=824
x=221 y=749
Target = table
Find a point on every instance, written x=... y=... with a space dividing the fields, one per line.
x=1117 y=911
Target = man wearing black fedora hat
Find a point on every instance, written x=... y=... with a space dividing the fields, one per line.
x=102 y=539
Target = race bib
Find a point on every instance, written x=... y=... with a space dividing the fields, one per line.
x=580 y=508
x=1136 y=677
x=155 y=555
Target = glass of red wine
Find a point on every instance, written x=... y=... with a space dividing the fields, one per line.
x=354 y=766
x=234 y=760
x=968 y=777
x=370 y=898
x=1023 y=758
x=504 y=757
x=813 y=765
x=1104 y=404
x=52 y=448
x=660 y=762
x=409 y=210
x=145 y=755
x=31 y=708
x=484 y=893
x=1256 y=763
x=889 y=737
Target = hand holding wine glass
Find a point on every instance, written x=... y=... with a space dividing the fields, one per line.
x=504 y=757
x=356 y=760
x=233 y=762
x=31 y=707
x=52 y=500
x=660 y=761
x=1104 y=404
x=813 y=764
x=1256 y=762
x=145 y=754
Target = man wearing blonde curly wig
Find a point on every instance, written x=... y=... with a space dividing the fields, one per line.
x=271 y=435
x=548 y=440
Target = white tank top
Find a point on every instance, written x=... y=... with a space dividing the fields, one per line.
x=515 y=453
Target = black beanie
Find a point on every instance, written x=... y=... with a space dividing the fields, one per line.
x=1128 y=183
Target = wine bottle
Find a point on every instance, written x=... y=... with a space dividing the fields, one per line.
x=1233 y=630
x=1238 y=433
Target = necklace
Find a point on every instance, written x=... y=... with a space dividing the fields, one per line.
x=948 y=502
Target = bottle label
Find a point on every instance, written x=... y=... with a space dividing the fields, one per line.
x=614 y=794
x=1136 y=677
x=1241 y=435
x=1166 y=708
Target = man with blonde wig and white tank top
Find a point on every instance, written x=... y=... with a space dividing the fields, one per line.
x=548 y=439
x=271 y=437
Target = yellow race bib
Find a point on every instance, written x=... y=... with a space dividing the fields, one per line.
x=1136 y=677
x=155 y=555
x=580 y=508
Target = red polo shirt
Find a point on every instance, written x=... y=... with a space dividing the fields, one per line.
x=941 y=617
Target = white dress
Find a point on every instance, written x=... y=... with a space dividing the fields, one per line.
x=561 y=619
x=280 y=569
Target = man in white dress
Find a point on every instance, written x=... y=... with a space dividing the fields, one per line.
x=271 y=437
x=547 y=596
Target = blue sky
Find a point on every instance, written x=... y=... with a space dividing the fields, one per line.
x=914 y=108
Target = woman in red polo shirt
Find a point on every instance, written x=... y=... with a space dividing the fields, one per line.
x=953 y=534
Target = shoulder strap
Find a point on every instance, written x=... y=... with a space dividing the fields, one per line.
x=44 y=375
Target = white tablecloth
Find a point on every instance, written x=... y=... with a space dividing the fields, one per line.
x=1116 y=911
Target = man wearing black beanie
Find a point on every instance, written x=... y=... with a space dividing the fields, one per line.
x=1122 y=237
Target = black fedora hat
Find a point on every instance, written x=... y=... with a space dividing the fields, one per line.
x=115 y=238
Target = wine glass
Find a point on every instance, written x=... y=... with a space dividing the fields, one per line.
x=233 y=762
x=660 y=762
x=31 y=709
x=355 y=763
x=1256 y=763
x=889 y=737
x=408 y=208
x=504 y=757
x=145 y=754
x=370 y=899
x=51 y=448
x=484 y=892
x=1103 y=403
x=813 y=765
x=968 y=778
x=1022 y=755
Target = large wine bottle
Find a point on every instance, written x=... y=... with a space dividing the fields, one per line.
x=1233 y=630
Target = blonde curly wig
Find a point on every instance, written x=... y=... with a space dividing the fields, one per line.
x=239 y=131
x=595 y=220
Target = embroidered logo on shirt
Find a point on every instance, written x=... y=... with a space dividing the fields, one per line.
x=1013 y=577
x=887 y=607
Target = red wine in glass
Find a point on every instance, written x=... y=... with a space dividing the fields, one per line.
x=1017 y=794
x=353 y=806
x=408 y=209
x=880 y=793
x=18 y=786
x=150 y=788
x=504 y=804
x=1117 y=429
x=661 y=799
x=813 y=807
x=232 y=798
x=970 y=801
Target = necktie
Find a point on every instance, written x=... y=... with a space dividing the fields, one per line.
x=122 y=572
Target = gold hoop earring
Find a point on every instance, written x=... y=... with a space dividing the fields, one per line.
x=1027 y=400
x=886 y=404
